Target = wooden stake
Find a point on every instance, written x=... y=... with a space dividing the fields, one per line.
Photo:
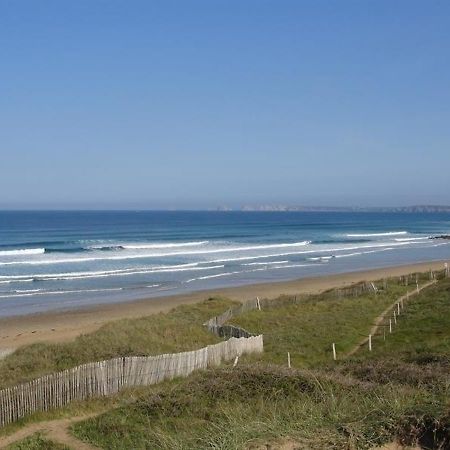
x=398 y=308
x=258 y=303
x=390 y=325
x=334 y=351
x=395 y=318
x=289 y=360
x=235 y=361
x=370 y=342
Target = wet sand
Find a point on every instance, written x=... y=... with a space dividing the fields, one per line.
x=61 y=326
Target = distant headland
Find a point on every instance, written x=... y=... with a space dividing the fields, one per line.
x=391 y=209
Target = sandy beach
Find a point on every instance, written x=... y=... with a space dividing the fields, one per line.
x=66 y=325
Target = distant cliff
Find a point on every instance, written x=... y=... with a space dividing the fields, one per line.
x=399 y=209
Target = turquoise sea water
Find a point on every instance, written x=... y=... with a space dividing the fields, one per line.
x=57 y=260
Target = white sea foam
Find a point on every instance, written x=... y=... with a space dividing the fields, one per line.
x=14 y=280
x=224 y=274
x=345 y=255
x=389 y=233
x=154 y=255
x=312 y=251
x=24 y=251
x=102 y=274
x=364 y=253
x=76 y=291
x=25 y=291
x=162 y=245
x=264 y=263
x=293 y=265
x=412 y=239
x=207 y=277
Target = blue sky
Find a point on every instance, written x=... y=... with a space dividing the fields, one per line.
x=194 y=104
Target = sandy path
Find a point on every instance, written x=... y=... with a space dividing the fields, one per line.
x=66 y=325
x=54 y=430
x=379 y=320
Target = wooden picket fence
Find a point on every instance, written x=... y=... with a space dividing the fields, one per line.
x=109 y=377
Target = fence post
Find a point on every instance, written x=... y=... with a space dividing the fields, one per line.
x=236 y=361
x=398 y=308
x=395 y=319
x=417 y=286
x=258 y=303
x=390 y=325
x=334 y=351
x=370 y=342
x=289 y=360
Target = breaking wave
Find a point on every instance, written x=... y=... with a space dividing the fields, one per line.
x=389 y=233
x=25 y=251
x=155 y=255
x=106 y=273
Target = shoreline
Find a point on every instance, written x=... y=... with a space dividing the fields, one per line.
x=60 y=326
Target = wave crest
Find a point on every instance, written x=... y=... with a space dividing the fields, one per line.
x=24 y=251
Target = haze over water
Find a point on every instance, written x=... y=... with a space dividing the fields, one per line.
x=54 y=260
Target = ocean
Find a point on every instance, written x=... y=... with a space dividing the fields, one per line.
x=59 y=260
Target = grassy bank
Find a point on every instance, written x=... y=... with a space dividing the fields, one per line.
x=176 y=331
x=400 y=390
x=307 y=329
x=235 y=409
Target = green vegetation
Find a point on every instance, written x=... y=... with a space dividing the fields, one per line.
x=37 y=442
x=423 y=327
x=417 y=351
x=232 y=409
x=400 y=390
x=179 y=330
x=308 y=328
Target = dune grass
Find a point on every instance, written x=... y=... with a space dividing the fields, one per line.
x=178 y=330
x=400 y=391
x=418 y=350
x=37 y=442
x=307 y=329
x=260 y=404
x=422 y=327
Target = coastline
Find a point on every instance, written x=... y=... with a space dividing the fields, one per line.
x=60 y=326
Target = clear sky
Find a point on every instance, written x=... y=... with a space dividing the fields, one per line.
x=193 y=104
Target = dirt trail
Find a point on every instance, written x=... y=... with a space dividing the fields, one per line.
x=379 y=320
x=55 y=430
